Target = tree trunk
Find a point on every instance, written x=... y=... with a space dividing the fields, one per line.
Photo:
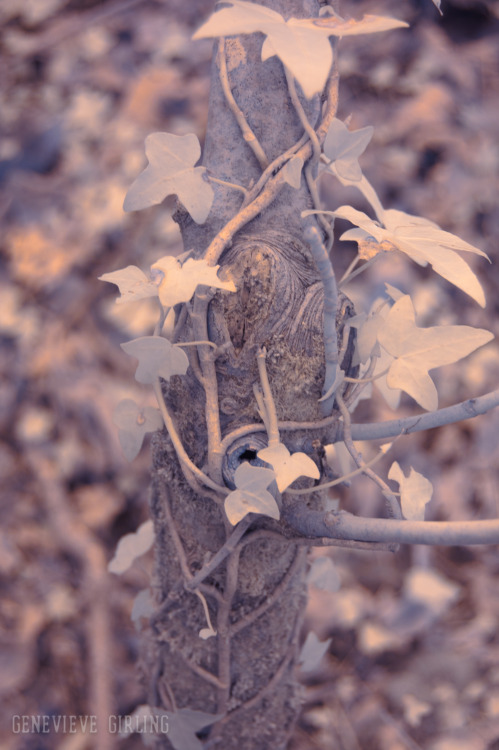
x=257 y=596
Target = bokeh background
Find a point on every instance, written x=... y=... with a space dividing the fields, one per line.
x=414 y=657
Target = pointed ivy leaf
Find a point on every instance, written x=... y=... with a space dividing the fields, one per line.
x=391 y=394
x=305 y=51
x=171 y=171
x=437 y=4
x=418 y=350
x=415 y=491
x=132 y=283
x=132 y=546
x=133 y=423
x=183 y=726
x=292 y=171
x=288 y=467
x=177 y=282
x=324 y=575
x=312 y=652
x=241 y=18
x=206 y=633
x=367 y=329
x=424 y=242
x=343 y=147
x=251 y=495
x=301 y=44
x=367 y=334
x=157 y=357
x=309 y=55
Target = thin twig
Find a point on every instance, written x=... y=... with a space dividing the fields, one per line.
x=472 y=407
x=224 y=636
x=356 y=391
x=163 y=312
x=339 y=480
x=247 y=133
x=231 y=185
x=274 y=680
x=393 y=505
x=206 y=611
x=310 y=169
x=222 y=553
x=346 y=279
x=205 y=675
x=177 y=444
x=293 y=94
x=368 y=379
x=273 y=185
x=273 y=597
x=210 y=384
x=278 y=162
x=172 y=528
x=269 y=402
x=325 y=268
x=180 y=323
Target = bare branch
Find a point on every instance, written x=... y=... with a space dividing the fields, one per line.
x=473 y=407
x=343 y=525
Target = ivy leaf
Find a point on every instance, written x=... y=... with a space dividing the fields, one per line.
x=177 y=282
x=133 y=422
x=206 y=633
x=171 y=171
x=437 y=4
x=132 y=546
x=301 y=44
x=132 y=283
x=418 y=350
x=424 y=242
x=292 y=171
x=324 y=575
x=415 y=491
x=391 y=395
x=251 y=495
x=183 y=726
x=288 y=467
x=343 y=147
x=157 y=357
x=312 y=652
x=368 y=327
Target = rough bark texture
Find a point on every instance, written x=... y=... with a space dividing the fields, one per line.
x=257 y=594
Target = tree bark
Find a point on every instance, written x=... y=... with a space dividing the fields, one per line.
x=257 y=596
